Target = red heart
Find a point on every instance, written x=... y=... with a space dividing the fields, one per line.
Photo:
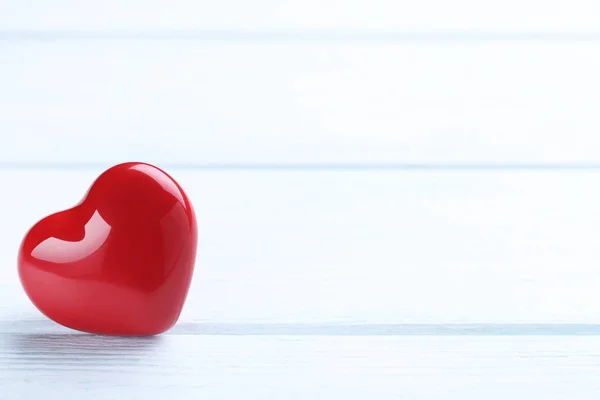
x=118 y=263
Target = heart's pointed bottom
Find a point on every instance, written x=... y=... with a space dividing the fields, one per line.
x=117 y=333
x=105 y=330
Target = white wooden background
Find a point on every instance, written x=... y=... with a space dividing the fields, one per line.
x=395 y=199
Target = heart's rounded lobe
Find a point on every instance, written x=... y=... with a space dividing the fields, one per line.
x=118 y=263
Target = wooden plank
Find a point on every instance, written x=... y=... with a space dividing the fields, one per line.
x=185 y=102
x=190 y=367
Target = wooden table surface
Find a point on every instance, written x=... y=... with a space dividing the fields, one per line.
x=189 y=366
x=331 y=284
x=402 y=201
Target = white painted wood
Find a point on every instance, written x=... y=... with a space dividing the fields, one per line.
x=462 y=15
x=312 y=284
x=309 y=285
x=299 y=102
x=376 y=247
x=292 y=367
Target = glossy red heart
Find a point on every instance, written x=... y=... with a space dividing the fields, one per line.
x=118 y=263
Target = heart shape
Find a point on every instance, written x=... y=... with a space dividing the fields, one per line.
x=118 y=263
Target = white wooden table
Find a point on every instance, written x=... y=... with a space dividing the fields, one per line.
x=328 y=284
x=400 y=273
